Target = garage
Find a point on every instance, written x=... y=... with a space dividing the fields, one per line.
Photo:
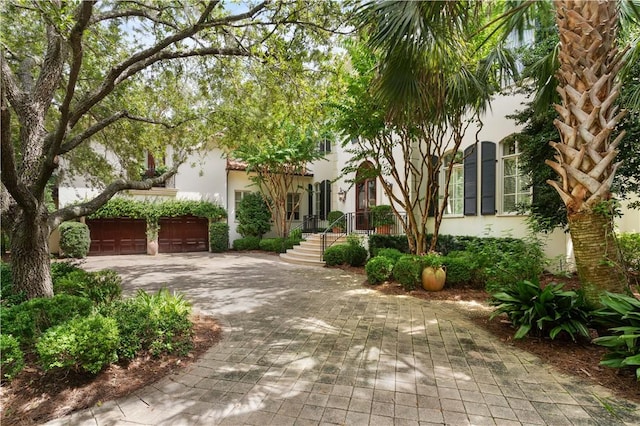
x=183 y=234
x=117 y=236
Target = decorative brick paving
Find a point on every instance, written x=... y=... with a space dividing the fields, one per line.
x=307 y=345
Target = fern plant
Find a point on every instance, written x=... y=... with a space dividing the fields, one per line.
x=544 y=312
x=621 y=314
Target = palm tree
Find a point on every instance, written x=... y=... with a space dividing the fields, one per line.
x=589 y=63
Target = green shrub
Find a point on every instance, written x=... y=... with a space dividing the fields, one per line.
x=247 y=243
x=408 y=271
x=74 y=239
x=379 y=269
x=102 y=286
x=506 y=260
x=460 y=268
x=390 y=253
x=30 y=319
x=253 y=216
x=544 y=312
x=336 y=255
x=276 y=245
x=8 y=296
x=62 y=269
x=157 y=323
x=378 y=241
x=295 y=235
x=630 y=250
x=621 y=314
x=81 y=344
x=218 y=237
x=12 y=360
x=356 y=255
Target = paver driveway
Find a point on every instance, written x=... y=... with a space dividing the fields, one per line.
x=305 y=345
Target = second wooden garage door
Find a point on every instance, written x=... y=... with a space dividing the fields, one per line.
x=183 y=234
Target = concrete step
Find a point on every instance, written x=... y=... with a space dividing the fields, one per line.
x=289 y=259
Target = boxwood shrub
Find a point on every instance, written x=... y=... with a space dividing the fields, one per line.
x=336 y=255
x=74 y=239
x=81 y=344
x=247 y=243
x=461 y=267
x=218 y=237
x=12 y=360
x=390 y=253
x=379 y=269
x=408 y=271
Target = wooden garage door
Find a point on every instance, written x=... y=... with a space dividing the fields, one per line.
x=117 y=236
x=183 y=234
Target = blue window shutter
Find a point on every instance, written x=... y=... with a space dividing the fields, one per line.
x=488 y=178
x=471 y=181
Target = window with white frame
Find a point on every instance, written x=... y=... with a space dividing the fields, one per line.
x=455 y=200
x=293 y=206
x=238 y=196
x=515 y=183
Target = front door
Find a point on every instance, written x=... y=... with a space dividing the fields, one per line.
x=365 y=196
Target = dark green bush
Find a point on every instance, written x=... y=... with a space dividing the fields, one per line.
x=336 y=255
x=247 y=243
x=408 y=271
x=275 y=245
x=62 y=269
x=253 y=216
x=356 y=255
x=30 y=319
x=460 y=268
x=12 y=360
x=378 y=241
x=218 y=237
x=295 y=235
x=8 y=296
x=630 y=250
x=101 y=287
x=390 y=253
x=621 y=314
x=74 y=239
x=81 y=344
x=157 y=323
x=379 y=269
x=544 y=312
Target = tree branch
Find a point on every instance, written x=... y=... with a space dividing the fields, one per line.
x=10 y=87
x=114 y=14
x=85 y=209
x=50 y=71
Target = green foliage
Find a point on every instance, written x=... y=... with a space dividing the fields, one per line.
x=218 y=237
x=630 y=249
x=74 y=239
x=382 y=215
x=356 y=255
x=151 y=211
x=433 y=260
x=158 y=323
x=460 y=266
x=503 y=261
x=379 y=269
x=336 y=219
x=12 y=360
x=101 y=287
x=336 y=255
x=62 y=269
x=408 y=271
x=30 y=319
x=253 y=216
x=247 y=243
x=81 y=344
x=621 y=314
x=8 y=296
x=278 y=245
x=545 y=312
x=296 y=234
x=398 y=242
x=390 y=253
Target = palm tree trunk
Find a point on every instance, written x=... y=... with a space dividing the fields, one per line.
x=589 y=63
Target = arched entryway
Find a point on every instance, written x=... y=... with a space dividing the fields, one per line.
x=365 y=194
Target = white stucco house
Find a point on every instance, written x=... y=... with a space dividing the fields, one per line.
x=485 y=187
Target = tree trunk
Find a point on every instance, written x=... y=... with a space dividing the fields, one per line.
x=595 y=246
x=30 y=262
x=589 y=63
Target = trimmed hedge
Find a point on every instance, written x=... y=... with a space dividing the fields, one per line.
x=336 y=255
x=74 y=239
x=378 y=241
x=408 y=271
x=218 y=237
x=246 y=243
x=379 y=269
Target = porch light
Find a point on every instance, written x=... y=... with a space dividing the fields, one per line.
x=342 y=195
